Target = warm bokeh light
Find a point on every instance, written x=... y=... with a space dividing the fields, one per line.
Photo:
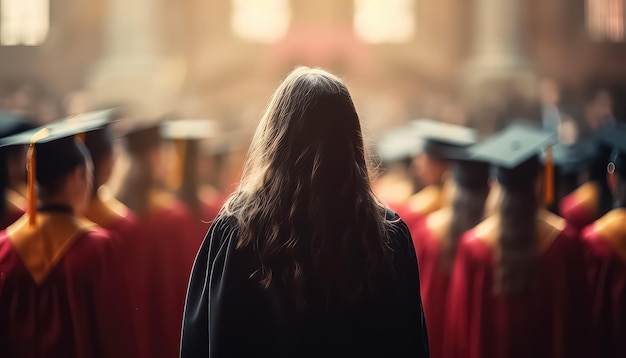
x=264 y=21
x=24 y=22
x=605 y=19
x=380 y=21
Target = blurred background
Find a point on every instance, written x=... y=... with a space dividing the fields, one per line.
x=460 y=61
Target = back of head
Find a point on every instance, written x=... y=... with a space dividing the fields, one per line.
x=515 y=154
x=141 y=144
x=305 y=201
x=468 y=204
x=100 y=146
x=55 y=161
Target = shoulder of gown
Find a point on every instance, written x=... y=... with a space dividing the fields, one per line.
x=580 y=207
x=211 y=280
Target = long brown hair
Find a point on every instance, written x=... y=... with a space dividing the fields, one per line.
x=519 y=204
x=304 y=202
x=468 y=210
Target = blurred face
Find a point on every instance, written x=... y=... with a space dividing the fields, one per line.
x=429 y=170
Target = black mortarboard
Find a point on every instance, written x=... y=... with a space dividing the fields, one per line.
x=53 y=149
x=572 y=158
x=443 y=140
x=189 y=129
x=515 y=153
x=616 y=138
x=11 y=124
x=99 y=142
x=399 y=144
x=186 y=133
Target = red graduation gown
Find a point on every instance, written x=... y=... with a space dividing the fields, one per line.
x=579 y=208
x=10 y=217
x=552 y=320
x=80 y=309
x=434 y=283
x=606 y=273
x=161 y=243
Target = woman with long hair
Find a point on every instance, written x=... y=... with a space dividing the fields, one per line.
x=605 y=253
x=436 y=239
x=516 y=287
x=62 y=289
x=303 y=260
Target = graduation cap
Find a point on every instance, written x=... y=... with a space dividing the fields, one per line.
x=189 y=129
x=11 y=124
x=143 y=135
x=52 y=149
x=186 y=134
x=399 y=144
x=99 y=142
x=443 y=140
x=616 y=138
x=471 y=173
x=515 y=153
x=572 y=158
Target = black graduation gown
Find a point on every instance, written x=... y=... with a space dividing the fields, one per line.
x=229 y=314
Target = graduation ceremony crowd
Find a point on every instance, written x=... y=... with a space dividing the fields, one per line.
x=513 y=246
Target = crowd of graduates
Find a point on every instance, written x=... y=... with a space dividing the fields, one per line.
x=520 y=236
x=84 y=274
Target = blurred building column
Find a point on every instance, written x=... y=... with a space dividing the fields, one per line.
x=498 y=71
x=134 y=68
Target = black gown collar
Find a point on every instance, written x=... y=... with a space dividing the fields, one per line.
x=56 y=208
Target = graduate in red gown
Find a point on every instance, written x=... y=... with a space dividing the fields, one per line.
x=160 y=243
x=592 y=199
x=12 y=163
x=438 y=140
x=62 y=292
x=605 y=252
x=186 y=136
x=518 y=280
x=104 y=209
x=436 y=239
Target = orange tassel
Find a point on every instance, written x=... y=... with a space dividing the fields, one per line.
x=176 y=175
x=549 y=178
x=32 y=178
x=32 y=195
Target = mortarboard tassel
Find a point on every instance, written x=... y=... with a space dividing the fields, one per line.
x=31 y=193
x=176 y=175
x=549 y=178
x=32 y=196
